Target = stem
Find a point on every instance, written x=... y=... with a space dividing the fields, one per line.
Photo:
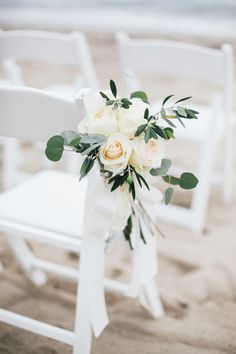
x=150 y=219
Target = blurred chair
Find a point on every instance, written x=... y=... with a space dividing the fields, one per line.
x=215 y=121
x=46 y=208
x=49 y=47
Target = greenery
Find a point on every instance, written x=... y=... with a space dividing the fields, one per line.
x=159 y=125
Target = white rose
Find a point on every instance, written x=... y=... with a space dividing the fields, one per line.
x=100 y=119
x=130 y=119
x=114 y=154
x=146 y=156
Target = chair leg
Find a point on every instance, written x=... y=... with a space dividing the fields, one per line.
x=26 y=258
x=201 y=194
x=83 y=326
x=228 y=167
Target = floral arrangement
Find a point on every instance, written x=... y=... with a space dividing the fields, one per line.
x=127 y=139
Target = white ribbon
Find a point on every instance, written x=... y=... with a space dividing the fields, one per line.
x=105 y=213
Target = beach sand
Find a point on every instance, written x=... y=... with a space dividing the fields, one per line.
x=196 y=276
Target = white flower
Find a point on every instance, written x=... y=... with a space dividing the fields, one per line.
x=100 y=119
x=146 y=156
x=114 y=154
x=130 y=119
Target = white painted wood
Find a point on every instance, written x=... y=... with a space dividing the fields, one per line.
x=20 y=111
x=212 y=65
x=39 y=115
x=50 y=47
x=38 y=327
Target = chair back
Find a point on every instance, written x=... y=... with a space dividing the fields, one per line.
x=35 y=115
x=58 y=48
x=178 y=59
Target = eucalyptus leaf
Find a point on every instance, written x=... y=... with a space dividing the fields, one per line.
x=163 y=169
x=68 y=136
x=188 y=180
x=140 y=94
x=93 y=139
x=171 y=180
x=168 y=195
x=55 y=148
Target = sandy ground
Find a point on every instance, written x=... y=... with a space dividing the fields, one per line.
x=197 y=273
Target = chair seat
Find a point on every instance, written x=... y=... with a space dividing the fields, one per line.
x=50 y=200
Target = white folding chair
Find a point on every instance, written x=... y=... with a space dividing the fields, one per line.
x=215 y=121
x=50 y=47
x=50 y=207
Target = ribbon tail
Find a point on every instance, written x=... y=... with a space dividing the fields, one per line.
x=145 y=268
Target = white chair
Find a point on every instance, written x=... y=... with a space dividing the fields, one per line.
x=55 y=48
x=215 y=121
x=49 y=207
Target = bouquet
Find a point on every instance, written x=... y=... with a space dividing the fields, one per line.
x=127 y=140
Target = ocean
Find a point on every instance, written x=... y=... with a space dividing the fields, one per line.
x=212 y=9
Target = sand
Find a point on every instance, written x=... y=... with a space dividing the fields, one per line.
x=196 y=278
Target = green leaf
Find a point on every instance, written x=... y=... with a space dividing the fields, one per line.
x=76 y=141
x=141 y=233
x=180 y=120
x=110 y=102
x=91 y=148
x=140 y=94
x=143 y=180
x=147 y=135
x=86 y=167
x=163 y=169
x=181 y=111
x=160 y=132
x=127 y=231
x=193 y=111
x=104 y=96
x=188 y=180
x=113 y=88
x=169 y=122
x=190 y=114
x=93 y=139
x=132 y=190
x=55 y=148
x=168 y=195
x=169 y=133
x=166 y=99
x=140 y=129
x=183 y=99
x=171 y=180
x=68 y=136
x=146 y=113
x=153 y=133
